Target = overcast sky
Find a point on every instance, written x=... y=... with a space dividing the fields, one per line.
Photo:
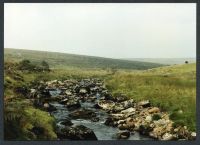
x=107 y=30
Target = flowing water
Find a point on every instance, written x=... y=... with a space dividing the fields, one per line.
x=101 y=131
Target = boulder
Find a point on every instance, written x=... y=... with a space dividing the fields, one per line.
x=129 y=110
x=83 y=91
x=144 y=129
x=167 y=136
x=48 y=107
x=154 y=110
x=68 y=92
x=66 y=122
x=128 y=104
x=106 y=104
x=120 y=97
x=78 y=132
x=83 y=114
x=71 y=103
x=110 y=122
x=123 y=135
x=144 y=104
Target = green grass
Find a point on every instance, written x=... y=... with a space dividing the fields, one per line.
x=64 y=60
x=172 y=88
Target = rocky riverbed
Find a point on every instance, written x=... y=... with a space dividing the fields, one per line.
x=86 y=110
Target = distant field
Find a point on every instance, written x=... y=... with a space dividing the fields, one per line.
x=168 y=61
x=63 y=60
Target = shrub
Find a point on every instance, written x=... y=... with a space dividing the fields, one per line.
x=156 y=117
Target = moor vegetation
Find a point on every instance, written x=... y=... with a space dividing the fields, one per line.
x=171 y=88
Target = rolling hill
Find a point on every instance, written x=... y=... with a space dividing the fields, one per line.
x=167 y=61
x=63 y=60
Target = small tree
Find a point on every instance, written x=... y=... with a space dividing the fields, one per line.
x=26 y=65
x=45 y=66
x=186 y=62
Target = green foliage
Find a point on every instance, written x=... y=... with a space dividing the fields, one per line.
x=20 y=119
x=45 y=66
x=156 y=117
x=26 y=65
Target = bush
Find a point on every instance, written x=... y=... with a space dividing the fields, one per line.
x=156 y=117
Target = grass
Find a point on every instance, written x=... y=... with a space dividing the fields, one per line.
x=172 y=88
x=64 y=60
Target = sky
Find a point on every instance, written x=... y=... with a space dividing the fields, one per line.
x=119 y=30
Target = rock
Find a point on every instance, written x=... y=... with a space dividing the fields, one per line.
x=123 y=135
x=66 y=122
x=117 y=108
x=48 y=107
x=71 y=103
x=82 y=114
x=82 y=91
x=106 y=104
x=110 y=122
x=167 y=136
x=193 y=136
x=131 y=123
x=39 y=131
x=148 y=118
x=64 y=101
x=128 y=104
x=129 y=110
x=144 y=104
x=95 y=119
x=154 y=110
x=78 y=132
x=120 y=97
x=123 y=126
x=144 y=129
x=68 y=92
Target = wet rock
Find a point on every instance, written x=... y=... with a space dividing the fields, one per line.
x=95 y=119
x=110 y=122
x=48 y=107
x=82 y=114
x=39 y=131
x=66 y=122
x=123 y=135
x=167 y=136
x=144 y=104
x=71 y=103
x=123 y=126
x=78 y=132
x=144 y=129
x=106 y=104
x=193 y=136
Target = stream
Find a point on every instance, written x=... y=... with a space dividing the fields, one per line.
x=101 y=131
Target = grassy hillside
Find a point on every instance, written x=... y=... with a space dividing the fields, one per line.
x=63 y=60
x=168 y=61
x=172 y=88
